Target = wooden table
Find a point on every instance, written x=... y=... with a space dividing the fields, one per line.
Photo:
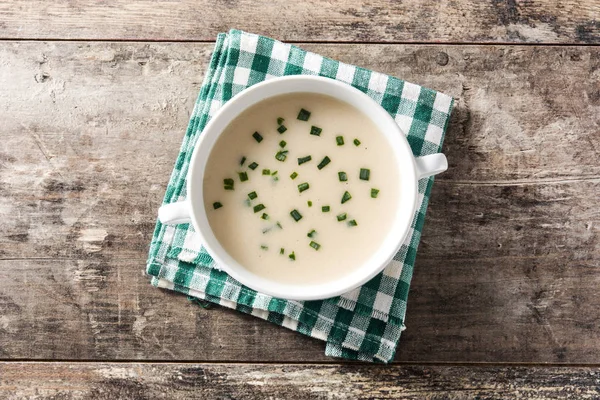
x=94 y=101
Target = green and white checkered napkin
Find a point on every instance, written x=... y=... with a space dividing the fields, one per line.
x=364 y=324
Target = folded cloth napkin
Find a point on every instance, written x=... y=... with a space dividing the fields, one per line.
x=364 y=324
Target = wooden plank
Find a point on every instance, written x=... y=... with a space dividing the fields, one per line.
x=261 y=381
x=510 y=248
x=340 y=21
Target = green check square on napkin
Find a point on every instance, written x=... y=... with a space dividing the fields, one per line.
x=364 y=324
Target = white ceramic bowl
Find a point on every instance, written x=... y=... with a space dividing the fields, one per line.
x=410 y=170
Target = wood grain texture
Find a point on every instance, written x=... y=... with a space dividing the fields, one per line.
x=508 y=268
x=340 y=21
x=291 y=382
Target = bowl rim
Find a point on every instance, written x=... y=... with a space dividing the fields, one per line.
x=279 y=86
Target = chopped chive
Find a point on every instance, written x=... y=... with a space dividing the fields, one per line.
x=342 y=216
x=365 y=174
x=303 y=186
x=339 y=140
x=280 y=121
x=296 y=215
x=324 y=162
x=266 y=230
x=253 y=166
x=303 y=115
x=292 y=256
x=252 y=195
x=257 y=137
x=325 y=208
x=346 y=197
x=311 y=234
x=279 y=225
x=374 y=193
x=302 y=160
x=273 y=173
x=217 y=205
x=262 y=246
x=342 y=176
x=242 y=161
x=315 y=130
x=243 y=176
x=309 y=203
x=265 y=216
x=281 y=155
x=315 y=245
x=281 y=129
x=228 y=184
x=281 y=250
x=282 y=143
x=352 y=222
x=259 y=207
x=294 y=175
x=266 y=172
x=356 y=142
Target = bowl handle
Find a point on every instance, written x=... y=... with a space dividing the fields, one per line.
x=430 y=165
x=175 y=213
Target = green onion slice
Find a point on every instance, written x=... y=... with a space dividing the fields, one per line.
x=342 y=216
x=347 y=196
x=262 y=246
x=266 y=172
x=352 y=222
x=309 y=203
x=252 y=195
x=303 y=186
x=292 y=256
x=315 y=245
x=325 y=208
x=217 y=205
x=324 y=162
x=311 y=234
x=281 y=155
x=282 y=143
x=356 y=142
x=374 y=193
x=342 y=176
x=257 y=137
x=280 y=121
x=294 y=175
x=265 y=216
x=339 y=140
x=228 y=184
x=281 y=250
x=315 y=130
x=242 y=161
x=303 y=115
x=281 y=129
x=302 y=160
x=365 y=173
x=253 y=166
x=259 y=207
x=296 y=215
x=243 y=176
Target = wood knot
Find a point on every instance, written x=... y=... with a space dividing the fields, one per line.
x=441 y=58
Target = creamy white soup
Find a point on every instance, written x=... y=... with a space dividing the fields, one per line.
x=301 y=188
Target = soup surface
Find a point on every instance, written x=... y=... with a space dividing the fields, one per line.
x=301 y=188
